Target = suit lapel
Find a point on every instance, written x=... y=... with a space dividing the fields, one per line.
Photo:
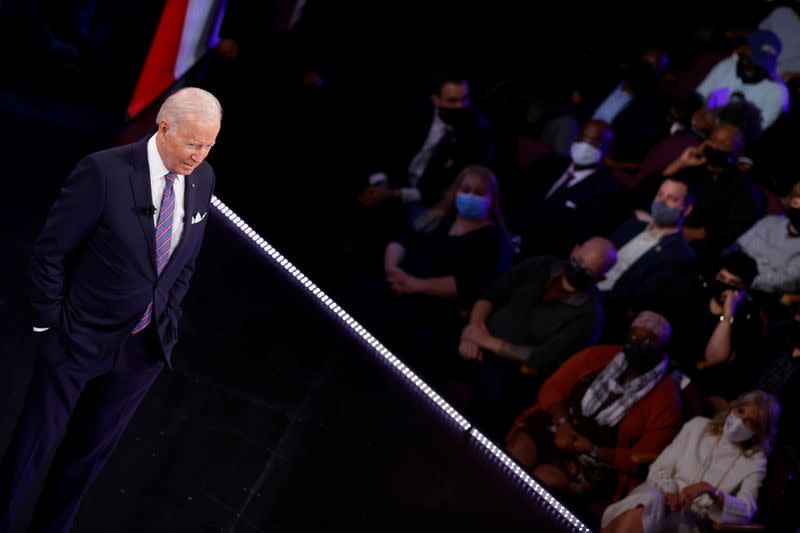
x=143 y=196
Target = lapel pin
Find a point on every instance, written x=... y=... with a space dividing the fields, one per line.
x=194 y=185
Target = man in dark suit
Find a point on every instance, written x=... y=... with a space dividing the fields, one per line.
x=109 y=270
x=407 y=170
x=562 y=202
x=421 y=159
x=652 y=254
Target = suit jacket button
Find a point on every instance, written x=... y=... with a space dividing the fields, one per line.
x=155 y=285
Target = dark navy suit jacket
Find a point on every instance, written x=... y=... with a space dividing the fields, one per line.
x=93 y=266
x=650 y=280
x=554 y=225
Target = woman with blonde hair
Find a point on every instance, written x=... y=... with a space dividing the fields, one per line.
x=712 y=470
x=437 y=271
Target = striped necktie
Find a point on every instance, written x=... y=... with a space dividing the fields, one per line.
x=163 y=240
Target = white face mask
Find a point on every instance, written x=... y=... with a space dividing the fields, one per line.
x=735 y=430
x=583 y=153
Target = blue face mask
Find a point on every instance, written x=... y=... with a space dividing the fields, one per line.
x=472 y=206
x=664 y=215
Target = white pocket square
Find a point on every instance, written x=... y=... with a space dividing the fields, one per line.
x=198 y=217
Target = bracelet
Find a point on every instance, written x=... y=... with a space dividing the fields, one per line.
x=722 y=318
x=562 y=420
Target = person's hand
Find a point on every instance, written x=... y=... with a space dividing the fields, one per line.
x=580 y=445
x=565 y=436
x=374 y=196
x=730 y=301
x=392 y=270
x=672 y=501
x=693 y=156
x=692 y=492
x=476 y=332
x=402 y=282
x=228 y=48
x=470 y=351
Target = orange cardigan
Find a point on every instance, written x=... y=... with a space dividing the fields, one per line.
x=647 y=427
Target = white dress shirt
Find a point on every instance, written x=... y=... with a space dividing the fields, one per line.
x=418 y=163
x=631 y=252
x=157 y=184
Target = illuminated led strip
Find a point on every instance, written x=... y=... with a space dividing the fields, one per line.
x=384 y=352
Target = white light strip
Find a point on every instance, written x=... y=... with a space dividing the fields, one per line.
x=384 y=352
x=510 y=464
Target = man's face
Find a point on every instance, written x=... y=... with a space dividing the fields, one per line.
x=672 y=193
x=594 y=133
x=722 y=138
x=453 y=95
x=747 y=70
x=185 y=145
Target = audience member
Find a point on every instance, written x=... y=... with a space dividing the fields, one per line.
x=603 y=405
x=713 y=469
x=533 y=318
x=562 y=202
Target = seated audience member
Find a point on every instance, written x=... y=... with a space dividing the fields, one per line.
x=651 y=256
x=626 y=96
x=532 y=319
x=405 y=167
x=604 y=404
x=716 y=322
x=713 y=469
x=727 y=202
x=434 y=274
x=774 y=242
x=419 y=161
x=562 y=202
x=750 y=72
x=784 y=21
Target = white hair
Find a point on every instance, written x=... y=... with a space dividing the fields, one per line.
x=190 y=103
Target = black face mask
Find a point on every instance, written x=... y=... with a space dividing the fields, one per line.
x=642 y=358
x=717 y=287
x=457 y=117
x=751 y=75
x=793 y=214
x=718 y=158
x=577 y=276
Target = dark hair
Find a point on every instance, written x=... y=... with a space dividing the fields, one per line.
x=439 y=80
x=744 y=116
x=691 y=194
x=740 y=264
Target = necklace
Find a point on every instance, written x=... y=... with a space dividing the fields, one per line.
x=710 y=459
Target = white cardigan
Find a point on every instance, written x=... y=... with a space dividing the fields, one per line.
x=686 y=461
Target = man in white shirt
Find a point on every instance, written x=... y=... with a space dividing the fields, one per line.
x=750 y=72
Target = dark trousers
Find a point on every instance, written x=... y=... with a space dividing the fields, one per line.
x=88 y=403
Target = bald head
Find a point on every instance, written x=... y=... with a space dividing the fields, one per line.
x=192 y=104
x=596 y=256
x=597 y=133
